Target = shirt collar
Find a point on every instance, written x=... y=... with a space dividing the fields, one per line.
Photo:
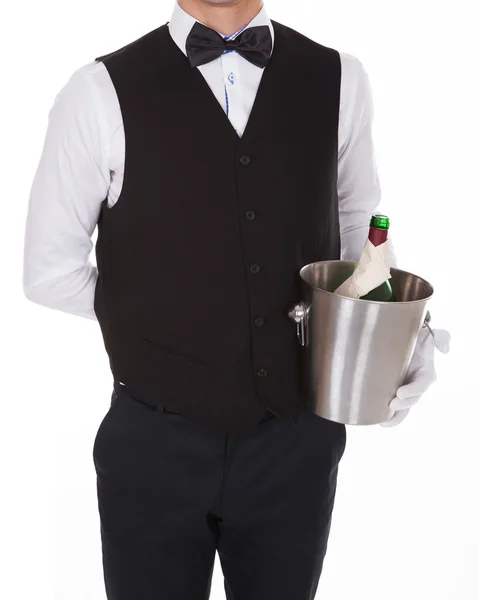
x=181 y=23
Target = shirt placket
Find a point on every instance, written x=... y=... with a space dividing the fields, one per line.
x=231 y=83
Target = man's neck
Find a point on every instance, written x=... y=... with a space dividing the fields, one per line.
x=224 y=16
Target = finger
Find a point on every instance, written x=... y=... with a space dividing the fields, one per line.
x=397 y=418
x=442 y=340
x=420 y=384
x=403 y=403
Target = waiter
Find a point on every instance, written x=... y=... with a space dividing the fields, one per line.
x=217 y=154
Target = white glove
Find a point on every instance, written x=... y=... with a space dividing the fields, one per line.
x=421 y=373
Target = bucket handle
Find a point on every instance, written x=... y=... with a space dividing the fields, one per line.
x=299 y=314
x=427 y=320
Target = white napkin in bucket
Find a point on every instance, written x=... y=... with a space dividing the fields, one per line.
x=371 y=271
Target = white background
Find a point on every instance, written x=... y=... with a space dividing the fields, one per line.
x=406 y=519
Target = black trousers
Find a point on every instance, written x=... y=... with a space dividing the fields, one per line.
x=172 y=493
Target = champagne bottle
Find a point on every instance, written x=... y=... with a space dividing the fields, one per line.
x=369 y=280
x=378 y=234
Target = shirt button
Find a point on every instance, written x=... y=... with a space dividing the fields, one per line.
x=259 y=321
x=231 y=77
x=262 y=372
x=255 y=269
x=250 y=215
x=245 y=160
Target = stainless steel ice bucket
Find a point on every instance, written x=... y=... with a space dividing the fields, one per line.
x=355 y=353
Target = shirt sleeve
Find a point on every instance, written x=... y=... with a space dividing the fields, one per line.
x=70 y=183
x=359 y=190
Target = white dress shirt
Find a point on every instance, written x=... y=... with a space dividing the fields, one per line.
x=82 y=163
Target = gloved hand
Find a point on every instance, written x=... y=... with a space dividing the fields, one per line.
x=421 y=373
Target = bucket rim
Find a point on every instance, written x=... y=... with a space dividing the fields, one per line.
x=352 y=262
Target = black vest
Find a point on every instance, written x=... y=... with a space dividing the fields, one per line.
x=198 y=260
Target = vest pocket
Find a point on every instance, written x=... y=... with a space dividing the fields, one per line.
x=174 y=352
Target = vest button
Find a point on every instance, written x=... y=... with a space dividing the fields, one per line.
x=255 y=269
x=259 y=321
x=245 y=160
x=262 y=372
x=250 y=215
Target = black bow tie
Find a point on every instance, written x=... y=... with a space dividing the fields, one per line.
x=204 y=45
